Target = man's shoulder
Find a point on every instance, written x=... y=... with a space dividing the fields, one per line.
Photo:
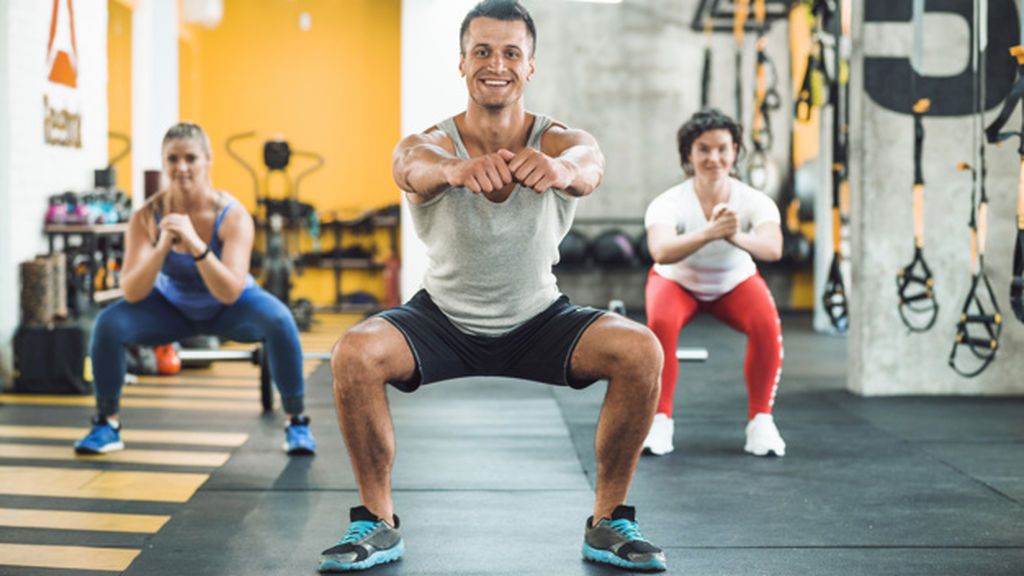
x=434 y=135
x=553 y=125
x=557 y=136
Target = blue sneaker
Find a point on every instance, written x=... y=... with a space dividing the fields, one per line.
x=298 y=440
x=101 y=439
x=618 y=542
x=369 y=541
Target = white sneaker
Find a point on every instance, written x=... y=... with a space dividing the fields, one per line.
x=763 y=437
x=659 y=439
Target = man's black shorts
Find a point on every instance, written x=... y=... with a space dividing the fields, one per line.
x=539 y=349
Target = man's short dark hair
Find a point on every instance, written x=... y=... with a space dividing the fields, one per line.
x=507 y=10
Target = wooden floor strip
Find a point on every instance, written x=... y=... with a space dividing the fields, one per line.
x=67 y=557
x=253 y=393
x=99 y=484
x=104 y=485
x=189 y=437
x=193 y=378
x=88 y=521
x=134 y=402
x=128 y=456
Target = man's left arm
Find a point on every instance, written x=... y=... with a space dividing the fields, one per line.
x=569 y=160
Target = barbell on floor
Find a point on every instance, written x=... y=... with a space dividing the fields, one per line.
x=256 y=357
x=692 y=354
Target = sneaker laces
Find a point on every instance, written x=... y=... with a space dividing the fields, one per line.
x=630 y=530
x=357 y=530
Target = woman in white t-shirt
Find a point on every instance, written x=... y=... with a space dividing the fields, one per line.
x=702 y=235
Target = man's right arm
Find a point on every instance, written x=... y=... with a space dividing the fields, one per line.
x=418 y=165
x=425 y=165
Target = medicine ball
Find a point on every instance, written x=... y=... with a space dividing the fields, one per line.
x=613 y=248
x=643 y=252
x=572 y=251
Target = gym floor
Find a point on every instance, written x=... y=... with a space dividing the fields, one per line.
x=496 y=477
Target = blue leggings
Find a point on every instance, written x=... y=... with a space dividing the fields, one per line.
x=257 y=316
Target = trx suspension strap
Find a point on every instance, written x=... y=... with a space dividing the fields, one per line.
x=994 y=135
x=766 y=100
x=811 y=93
x=834 y=297
x=741 y=10
x=918 y=307
x=1017 y=282
x=705 y=75
x=980 y=319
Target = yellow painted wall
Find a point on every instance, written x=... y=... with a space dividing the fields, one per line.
x=119 y=85
x=333 y=89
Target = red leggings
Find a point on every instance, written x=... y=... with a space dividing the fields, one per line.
x=748 y=308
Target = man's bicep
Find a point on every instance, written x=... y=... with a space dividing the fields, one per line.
x=558 y=139
x=432 y=137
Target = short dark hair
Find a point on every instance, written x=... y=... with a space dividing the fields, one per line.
x=706 y=120
x=507 y=10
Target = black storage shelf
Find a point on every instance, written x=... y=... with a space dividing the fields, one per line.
x=363 y=226
x=92 y=238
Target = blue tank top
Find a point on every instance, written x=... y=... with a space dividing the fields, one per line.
x=179 y=280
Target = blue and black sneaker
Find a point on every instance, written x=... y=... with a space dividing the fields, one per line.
x=104 y=437
x=369 y=541
x=298 y=440
x=618 y=541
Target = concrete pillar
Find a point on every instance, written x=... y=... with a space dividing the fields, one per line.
x=885 y=358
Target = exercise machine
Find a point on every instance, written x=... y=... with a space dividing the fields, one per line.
x=275 y=216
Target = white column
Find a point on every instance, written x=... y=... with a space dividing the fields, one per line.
x=431 y=91
x=30 y=168
x=154 y=85
x=8 y=286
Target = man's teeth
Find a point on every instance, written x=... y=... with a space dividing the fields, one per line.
x=496 y=82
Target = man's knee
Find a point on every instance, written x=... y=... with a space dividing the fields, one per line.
x=362 y=352
x=649 y=355
x=635 y=350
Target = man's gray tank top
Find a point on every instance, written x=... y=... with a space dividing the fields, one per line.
x=489 y=265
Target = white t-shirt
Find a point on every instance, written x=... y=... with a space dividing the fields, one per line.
x=717 y=267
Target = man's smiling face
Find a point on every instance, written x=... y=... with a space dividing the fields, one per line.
x=497 y=61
